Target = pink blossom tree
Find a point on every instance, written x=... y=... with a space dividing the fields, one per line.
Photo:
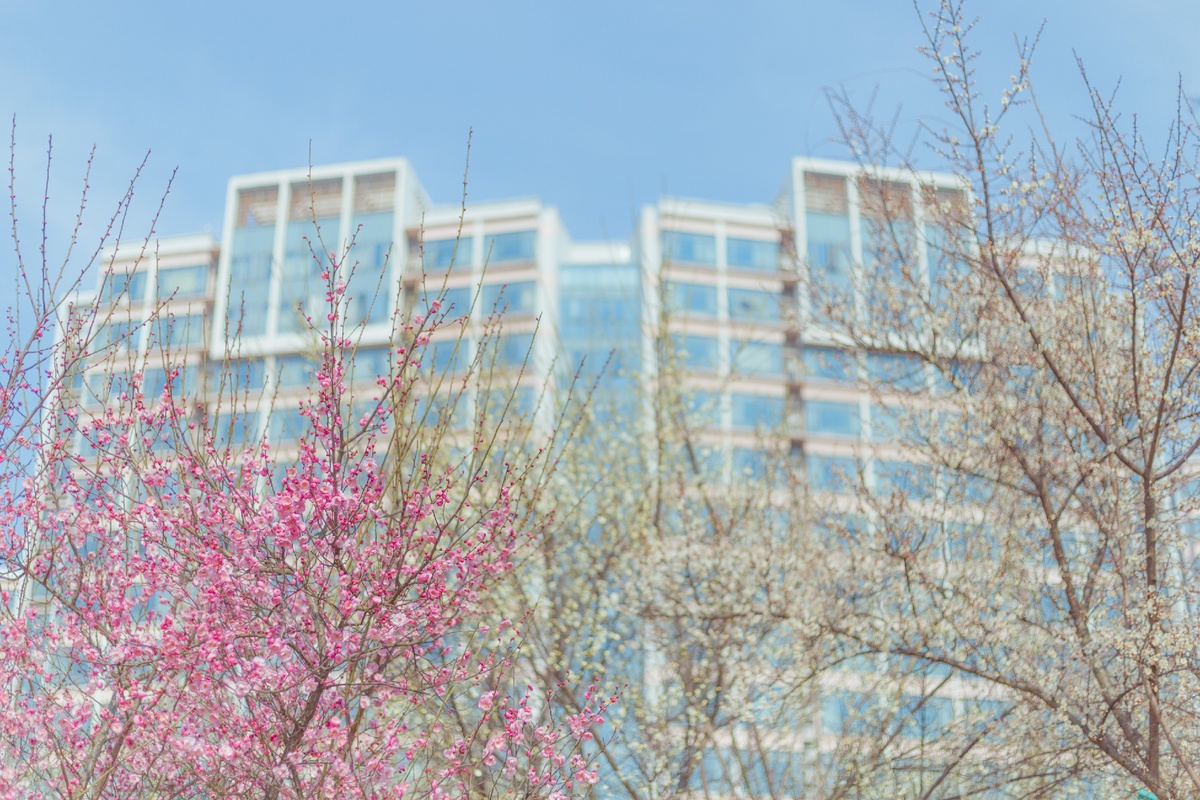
x=190 y=615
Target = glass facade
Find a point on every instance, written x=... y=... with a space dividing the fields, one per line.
x=302 y=302
x=754 y=305
x=442 y=254
x=369 y=296
x=689 y=248
x=505 y=248
x=250 y=279
x=825 y=418
x=182 y=283
x=509 y=298
x=752 y=254
x=827 y=364
x=756 y=411
x=756 y=358
x=697 y=353
x=600 y=308
x=690 y=299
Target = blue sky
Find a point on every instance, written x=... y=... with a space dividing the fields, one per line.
x=597 y=108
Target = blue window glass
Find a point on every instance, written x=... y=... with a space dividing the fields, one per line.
x=369 y=296
x=126 y=287
x=302 y=300
x=445 y=254
x=896 y=371
x=756 y=358
x=511 y=298
x=288 y=425
x=888 y=423
x=825 y=418
x=513 y=349
x=697 y=353
x=948 y=268
x=831 y=473
x=515 y=402
x=123 y=334
x=830 y=264
x=749 y=463
x=829 y=364
x=915 y=481
x=455 y=302
x=889 y=250
x=178 y=333
x=752 y=254
x=502 y=248
x=250 y=274
x=182 y=283
x=369 y=363
x=757 y=411
x=690 y=299
x=295 y=371
x=754 y=305
x=235 y=429
x=689 y=248
x=829 y=249
x=104 y=386
x=444 y=356
x=155 y=380
x=236 y=375
x=927 y=720
x=704 y=407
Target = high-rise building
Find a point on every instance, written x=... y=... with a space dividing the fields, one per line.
x=740 y=297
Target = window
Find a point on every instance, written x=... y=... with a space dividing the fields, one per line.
x=369 y=297
x=303 y=300
x=689 y=248
x=757 y=411
x=896 y=371
x=703 y=407
x=117 y=334
x=697 y=353
x=250 y=272
x=753 y=305
x=888 y=423
x=288 y=425
x=829 y=251
x=690 y=299
x=456 y=302
x=103 y=386
x=295 y=371
x=824 y=418
x=502 y=248
x=126 y=287
x=234 y=429
x=236 y=375
x=443 y=357
x=749 y=463
x=513 y=349
x=155 y=381
x=178 y=333
x=752 y=254
x=927 y=720
x=831 y=473
x=915 y=481
x=447 y=253
x=756 y=358
x=828 y=364
x=370 y=363
x=511 y=298
x=182 y=283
